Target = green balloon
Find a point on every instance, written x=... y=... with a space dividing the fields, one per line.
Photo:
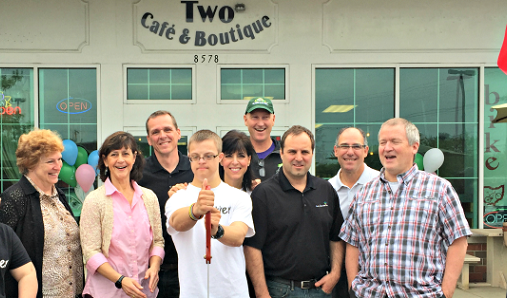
x=419 y=161
x=68 y=174
x=82 y=157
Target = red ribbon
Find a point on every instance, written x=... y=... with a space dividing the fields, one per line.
x=208 y=234
x=502 y=56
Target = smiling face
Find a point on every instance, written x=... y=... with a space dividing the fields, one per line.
x=396 y=154
x=351 y=160
x=235 y=166
x=45 y=173
x=296 y=156
x=119 y=162
x=163 y=135
x=260 y=123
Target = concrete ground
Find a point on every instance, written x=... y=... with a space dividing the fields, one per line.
x=483 y=292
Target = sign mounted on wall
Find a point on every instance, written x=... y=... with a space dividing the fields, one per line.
x=193 y=25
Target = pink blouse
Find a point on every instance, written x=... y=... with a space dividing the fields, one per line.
x=129 y=250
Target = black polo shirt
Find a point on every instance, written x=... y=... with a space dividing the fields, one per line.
x=158 y=179
x=293 y=229
x=12 y=254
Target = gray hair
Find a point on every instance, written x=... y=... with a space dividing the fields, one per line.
x=348 y=127
x=411 y=130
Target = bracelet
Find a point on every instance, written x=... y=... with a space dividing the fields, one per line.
x=191 y=213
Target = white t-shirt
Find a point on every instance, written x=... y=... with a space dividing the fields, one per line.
x=227 y=269
x=347 y=194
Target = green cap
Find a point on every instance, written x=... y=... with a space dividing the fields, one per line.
x=260 y=103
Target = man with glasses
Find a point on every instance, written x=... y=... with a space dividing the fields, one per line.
x=406 y=231
x=260 y=118
x=231 y=222
x=165 y=168
x=296 y=251
x=351 y=149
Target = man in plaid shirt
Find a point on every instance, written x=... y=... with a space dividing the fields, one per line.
x=406 y=231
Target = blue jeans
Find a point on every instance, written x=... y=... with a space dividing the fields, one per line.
x=278 y=290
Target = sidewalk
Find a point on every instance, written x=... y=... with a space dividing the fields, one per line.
x=483 y=292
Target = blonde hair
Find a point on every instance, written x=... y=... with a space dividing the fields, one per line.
x=203 y=135
x=33 y=145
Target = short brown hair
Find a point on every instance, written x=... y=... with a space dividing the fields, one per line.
x=160 y=113
x=297 y=130
x=116 y=141
x=203 y=135
x=33 y=145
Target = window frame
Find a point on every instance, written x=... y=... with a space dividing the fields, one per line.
x=251 y=66
x=127 y=101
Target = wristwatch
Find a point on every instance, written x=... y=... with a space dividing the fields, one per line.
x=118 y=282
x=219 y=234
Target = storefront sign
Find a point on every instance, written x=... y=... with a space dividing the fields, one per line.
x=203 y=26
x=73 y=105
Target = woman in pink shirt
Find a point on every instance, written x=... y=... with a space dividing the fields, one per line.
x=121 y=230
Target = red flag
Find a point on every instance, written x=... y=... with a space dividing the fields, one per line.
x=502 y=57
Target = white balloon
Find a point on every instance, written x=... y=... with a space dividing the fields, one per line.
x=433 y=160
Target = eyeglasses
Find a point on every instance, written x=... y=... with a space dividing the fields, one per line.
x=262 y=171
x=205 y=157
x=355 y=147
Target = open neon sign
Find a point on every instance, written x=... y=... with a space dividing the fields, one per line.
x=73 y=105
x=7 y=107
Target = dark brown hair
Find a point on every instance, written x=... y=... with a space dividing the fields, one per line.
x=234 y=142
x=296 y=130
x=116 y=141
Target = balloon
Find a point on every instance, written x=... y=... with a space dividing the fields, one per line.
x=82 y=157
x=69 y=154
x=68 y=174
x=433 y=159
x=93 y=159
x=419 y=161
x=85 y=175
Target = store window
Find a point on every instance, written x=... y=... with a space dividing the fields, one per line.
x=147 y=150
x=16 y=118
x=159 y=83
x=362 y=98
x=245 y=83
x=443 y=103
x=495 y=150
x=68 y=105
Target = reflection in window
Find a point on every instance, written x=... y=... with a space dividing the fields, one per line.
x=443 y=104
x=16 y=118
x=159 y=83
x=362 y=98
x=68 y=105
x=495 y=150
x=243 y=83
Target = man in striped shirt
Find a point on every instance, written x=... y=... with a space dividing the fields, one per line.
x=406 y=231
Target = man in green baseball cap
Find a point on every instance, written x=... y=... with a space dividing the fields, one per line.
x=260 y=118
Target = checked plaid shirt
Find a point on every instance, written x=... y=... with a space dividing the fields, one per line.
x=403 y=237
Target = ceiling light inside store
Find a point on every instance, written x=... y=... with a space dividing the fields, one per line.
x=339 y=108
